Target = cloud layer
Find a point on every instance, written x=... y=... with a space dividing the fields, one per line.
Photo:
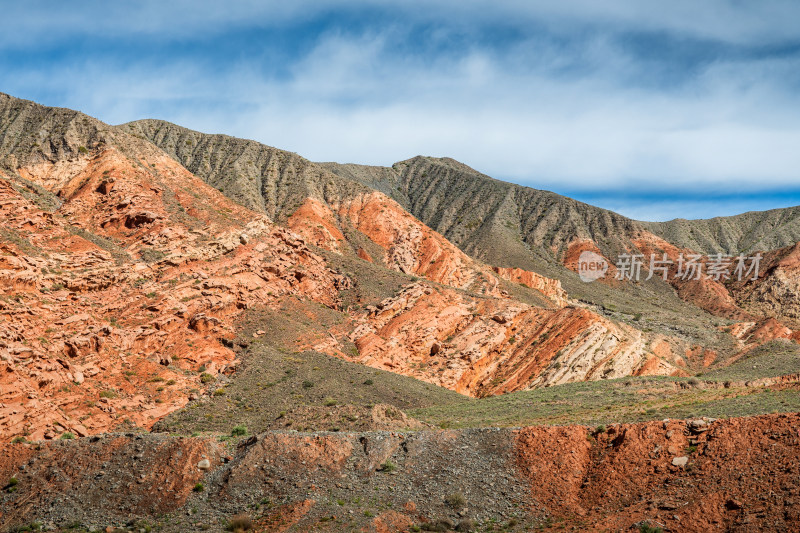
x=621 y=104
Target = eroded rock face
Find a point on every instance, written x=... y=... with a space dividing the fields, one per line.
x=635 y=473
x=108 y=323
x=707 y=293
x=114 y=476
x=776 y=292
x=551 y=288
x=411 y=246
x=317 y=224
x=484 y=346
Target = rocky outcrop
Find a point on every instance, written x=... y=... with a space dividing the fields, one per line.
x=413 y=248
x=677 y=475
x=484 y=346
x=776 y=291
x=550 y=288
x=114 y=306
x=317 y=224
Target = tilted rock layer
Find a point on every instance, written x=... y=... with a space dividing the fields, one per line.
x=114 y=305
x=482 y=346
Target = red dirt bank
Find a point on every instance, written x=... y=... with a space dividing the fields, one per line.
x=739 y=475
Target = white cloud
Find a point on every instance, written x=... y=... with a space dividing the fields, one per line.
x=581 y=116
x=728 y=20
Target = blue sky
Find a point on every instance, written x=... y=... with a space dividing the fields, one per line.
x=654 y=109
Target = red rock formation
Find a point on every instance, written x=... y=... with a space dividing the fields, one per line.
x=628 y=476
x=93 y=337
x=550 y=288
x=760 y=332
x=573 y=254
x=709 y=294
x=706 y=293
x=682 y=475
x=317 y=224
x=484 y=346
x=411 y=246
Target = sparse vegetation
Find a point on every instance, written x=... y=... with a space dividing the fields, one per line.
x=240 y=522
x=647 y=528
x=455 y=500
x=603 y=402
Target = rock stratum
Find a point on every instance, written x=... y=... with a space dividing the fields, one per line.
x=144 y=268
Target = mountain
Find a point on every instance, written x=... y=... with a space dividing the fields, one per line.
x=440 y=190
x=508 y=226
x=259 y=177
x=138 y=262
x=745 y=233
x=235 y=324
x=121 y=271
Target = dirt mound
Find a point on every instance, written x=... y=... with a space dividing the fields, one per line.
x=101 y=480
x=681 y=475
x=697 y=475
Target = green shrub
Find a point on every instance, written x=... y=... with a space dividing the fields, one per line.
x=455 y=500
x=151 y=255
x=240 y=522
x=388 y=466
x=468 y=525
x=67 y=436
x=206 y=378
x=199 y=487
x=308 y=384
x=238 y=431
x=647 y=528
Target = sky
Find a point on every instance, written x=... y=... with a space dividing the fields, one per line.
x=654 y=109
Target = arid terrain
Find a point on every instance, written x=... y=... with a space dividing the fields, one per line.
x=204 y=333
